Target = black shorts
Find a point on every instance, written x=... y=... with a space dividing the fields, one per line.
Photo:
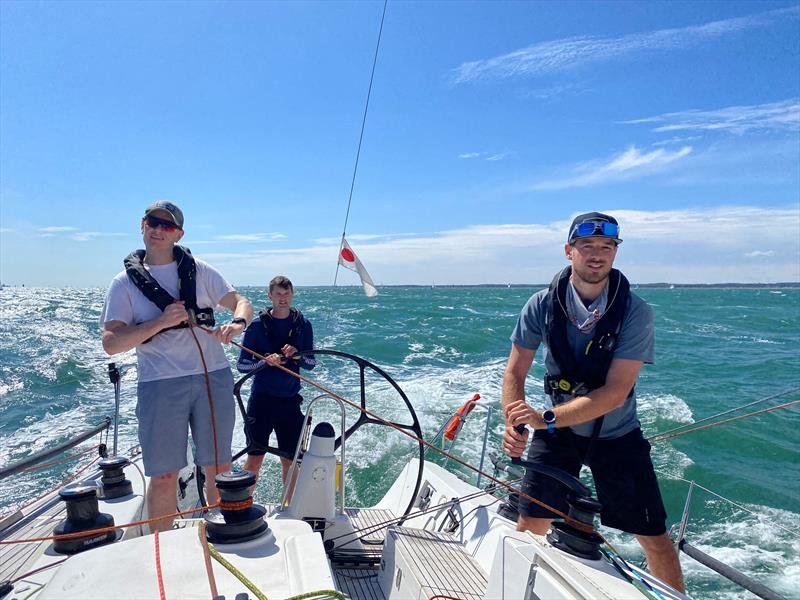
x=623 y=475
x=271 y=413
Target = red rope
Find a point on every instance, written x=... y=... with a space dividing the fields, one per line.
x=555 y=511
x=59 y=460
x=39 y=570
x=161 y=592
x=212 y=583
x=244 y=504
x=64 y=481
x=210 y=398
x=658 y=438
x=90 y=532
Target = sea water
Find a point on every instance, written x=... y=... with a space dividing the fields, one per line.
x=716 y=349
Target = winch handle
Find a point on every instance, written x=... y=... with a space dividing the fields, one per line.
x=572 y=483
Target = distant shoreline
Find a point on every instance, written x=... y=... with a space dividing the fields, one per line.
x=782 y=285
x=778 y=285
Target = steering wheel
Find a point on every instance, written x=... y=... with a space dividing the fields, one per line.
x=363 y=419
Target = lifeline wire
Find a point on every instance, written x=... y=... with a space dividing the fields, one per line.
x=661 y=437
x=722 y=414
x=576 y=524
x=360 y=138
x=569 y=520
x=729 y=501
x=79 y=534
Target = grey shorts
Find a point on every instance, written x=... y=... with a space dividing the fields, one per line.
x=167 y=408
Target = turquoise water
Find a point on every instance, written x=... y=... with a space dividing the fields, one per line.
x=716 y=349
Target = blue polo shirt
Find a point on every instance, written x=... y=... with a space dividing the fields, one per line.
x=636 y=341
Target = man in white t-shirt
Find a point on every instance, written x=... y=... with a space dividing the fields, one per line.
x=148 y=307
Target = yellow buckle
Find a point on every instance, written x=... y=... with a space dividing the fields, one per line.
x=564 y=385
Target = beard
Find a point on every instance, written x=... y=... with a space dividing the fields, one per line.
x=588 y=276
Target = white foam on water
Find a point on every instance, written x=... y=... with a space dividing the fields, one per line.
x=661 y=412
x=755 y=544
x=13 y=384
x=655 y=408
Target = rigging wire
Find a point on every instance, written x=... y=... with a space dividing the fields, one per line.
x=569 y=520
x=360 y=139
x=659 y=438
x=685 y=425
x=35 y=387
x=729 y=501
x=363 y=532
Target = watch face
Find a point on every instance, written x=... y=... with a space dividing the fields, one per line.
x=549 y=416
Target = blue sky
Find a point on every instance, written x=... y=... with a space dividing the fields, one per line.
x=491 y=125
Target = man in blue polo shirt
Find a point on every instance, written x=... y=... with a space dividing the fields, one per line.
x=596 y=336
x=278 y=333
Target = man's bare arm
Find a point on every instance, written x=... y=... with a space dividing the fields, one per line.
x=120 y=337
x=620 y=380
x=241 y=308
x=519 y=363
x=239 y=305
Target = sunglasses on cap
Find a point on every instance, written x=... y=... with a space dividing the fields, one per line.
x=592 y=228
x=154 y=222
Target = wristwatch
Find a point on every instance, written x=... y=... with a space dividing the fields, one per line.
x=549 y=417
x=241 y=320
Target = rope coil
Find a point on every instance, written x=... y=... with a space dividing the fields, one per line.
x=234 y=506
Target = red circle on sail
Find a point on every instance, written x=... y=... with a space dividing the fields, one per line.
x=348 y=255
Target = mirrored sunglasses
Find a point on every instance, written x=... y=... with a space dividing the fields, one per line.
x=590 y=228
x=154 y=222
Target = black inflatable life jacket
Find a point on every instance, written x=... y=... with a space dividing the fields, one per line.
x=295 y=330
x=187 y=285
x=588 y=372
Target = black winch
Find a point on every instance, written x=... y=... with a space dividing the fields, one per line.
x=238 y=519
x=82 y=515
x=574 y=541
x=582 y=509
x=115 y=485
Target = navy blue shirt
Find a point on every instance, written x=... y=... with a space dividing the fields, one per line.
x=272 y=381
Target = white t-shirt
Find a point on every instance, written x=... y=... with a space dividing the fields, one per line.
x=170 y=353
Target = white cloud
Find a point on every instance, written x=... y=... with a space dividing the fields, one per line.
x=678 y=140
x=625 y=165
x=699 y=245
x=485 y=155
x=87 y=236
x=55 y=229
x=251 y=237
x=774 y=116
x=7 y=230
x=555 y=91
x=361 y=237
x=759 y=253
x=558 y=55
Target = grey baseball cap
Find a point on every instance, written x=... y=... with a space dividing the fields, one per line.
x=173 y=209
